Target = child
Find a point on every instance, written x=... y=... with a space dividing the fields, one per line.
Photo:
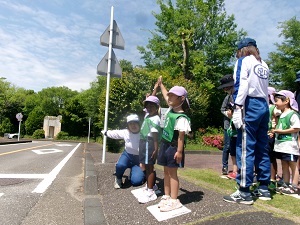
x=148 y=147
x=227 y=83
x=171 y=153
x=130 y=156
x=286 y=140
x=274 y=114
x=232 y=133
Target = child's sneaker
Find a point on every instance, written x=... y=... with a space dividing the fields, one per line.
x=155 y=187
x=237 y=197
x=290 y=190
x=118 y=183
x=281 y=188
x=164 y=200
x=172 y=204
x=147 y=196
x=262 y=194
x=224 y=171
x=232 y=175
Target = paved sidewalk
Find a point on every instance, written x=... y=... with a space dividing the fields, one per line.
x=105 y=205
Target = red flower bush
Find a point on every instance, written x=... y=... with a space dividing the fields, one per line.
x=214 y=141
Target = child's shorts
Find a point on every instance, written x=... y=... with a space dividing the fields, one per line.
x=166 y=155
x=146 y=149
x=287 y=157
x=232 y=149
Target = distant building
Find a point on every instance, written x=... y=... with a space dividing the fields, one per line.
x=52 y=126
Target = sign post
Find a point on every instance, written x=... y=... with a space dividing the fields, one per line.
x=109 y=65
x=19 y=117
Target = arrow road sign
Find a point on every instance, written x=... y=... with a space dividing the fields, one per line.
x=117 y=38
x=115 y=71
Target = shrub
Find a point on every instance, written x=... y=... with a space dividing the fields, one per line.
x=62 y=135
x=214 y=141
x=38 y=134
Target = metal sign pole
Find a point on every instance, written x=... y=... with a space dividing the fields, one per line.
x=108 y=80
x=19 y=130
x=89 y=129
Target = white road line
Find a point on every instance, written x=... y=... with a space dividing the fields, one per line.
x=24 y=176
x=1 y=194
x=52 y=175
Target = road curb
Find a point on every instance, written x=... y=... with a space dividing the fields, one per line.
x=14 y=142
x=92 y=206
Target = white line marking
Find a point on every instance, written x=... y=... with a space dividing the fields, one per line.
x=1 y=194
x=24 y=176
x=46 y=151
x=52 y=175
x=63 y=145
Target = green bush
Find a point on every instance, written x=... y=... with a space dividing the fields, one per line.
x=62 y=135
x=38 y=134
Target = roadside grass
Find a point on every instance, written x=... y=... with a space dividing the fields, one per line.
x=210 y=179
x=200 y=147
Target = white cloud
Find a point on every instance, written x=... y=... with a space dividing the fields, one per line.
x=57 y=43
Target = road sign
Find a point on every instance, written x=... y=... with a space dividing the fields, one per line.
x=117 y=38
x=19 y=116
x=115 y=70
x=109 y=65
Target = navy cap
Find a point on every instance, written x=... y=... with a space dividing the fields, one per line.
x=226 y=81
x=246 y=42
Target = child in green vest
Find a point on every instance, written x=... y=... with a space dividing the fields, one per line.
x=274 y=115
x=286 y=140
x=171 y=152
x=148 y=148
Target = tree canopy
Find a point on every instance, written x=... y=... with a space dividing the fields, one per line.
x=285 y=61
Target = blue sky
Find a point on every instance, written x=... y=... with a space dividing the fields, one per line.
x=57 y=43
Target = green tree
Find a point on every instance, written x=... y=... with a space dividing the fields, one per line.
x=6 y=126
x=89 y=99
x=193 y=38
x=285 y=61
x=74 y=118
x=35 y=120
x=52 y=99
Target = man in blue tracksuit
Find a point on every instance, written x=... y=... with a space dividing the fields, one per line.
x=251 y=117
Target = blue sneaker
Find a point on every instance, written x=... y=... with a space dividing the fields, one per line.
x=262 y=194
x=238 y=197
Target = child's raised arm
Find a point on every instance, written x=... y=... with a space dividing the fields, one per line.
x=164 y=91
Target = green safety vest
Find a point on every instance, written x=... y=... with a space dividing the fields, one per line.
x=145 y=129
x=284 y=123
x=271 y=109
x=168 y=131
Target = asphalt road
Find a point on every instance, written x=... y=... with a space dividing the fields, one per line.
x=66 y=183
x=41 y=183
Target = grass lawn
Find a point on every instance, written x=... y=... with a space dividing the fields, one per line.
x=199 y=147
x=279 y=205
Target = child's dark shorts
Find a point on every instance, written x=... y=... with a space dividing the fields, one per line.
x=166 y=155
x=146 y=149
x=232 y=149
x=287 y=157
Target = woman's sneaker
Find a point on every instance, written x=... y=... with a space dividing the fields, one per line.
x=238 y=197
x=164 y=200
x=172 y=204
x=262 y=194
